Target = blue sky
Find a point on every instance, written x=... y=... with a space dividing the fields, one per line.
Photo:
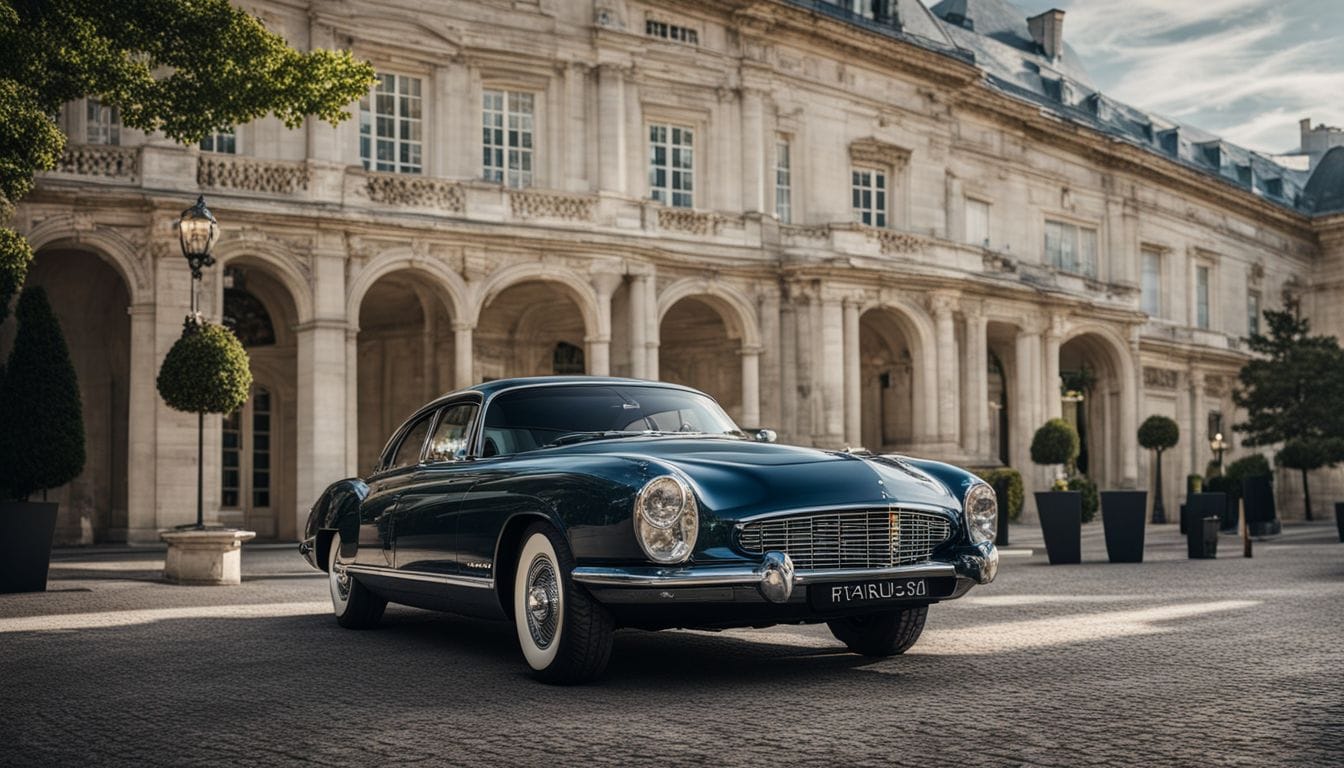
x=1246 y=70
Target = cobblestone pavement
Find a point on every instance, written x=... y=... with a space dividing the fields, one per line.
x=1171 y=662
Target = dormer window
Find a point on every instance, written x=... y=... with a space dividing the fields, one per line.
x=677 y=33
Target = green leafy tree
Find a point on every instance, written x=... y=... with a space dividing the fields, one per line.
x=41 y=422
x=1293 y=395
x=205 y=371
x=183 y=67
x=1158 y=433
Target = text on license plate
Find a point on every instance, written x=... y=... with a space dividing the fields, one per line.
x=854 y=593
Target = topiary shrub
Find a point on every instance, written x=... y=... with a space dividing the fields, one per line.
x=41 y=421
x=1006 y=481
x=1158 y=433
x=1091 y=499
x=1254 y=465
x=15 y=255
x=1056 y=442
x=206 y=371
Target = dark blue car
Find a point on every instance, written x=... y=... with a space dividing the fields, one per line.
x=575 y=505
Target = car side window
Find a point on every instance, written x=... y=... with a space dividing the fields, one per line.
x=451 y=435
x=408 y=452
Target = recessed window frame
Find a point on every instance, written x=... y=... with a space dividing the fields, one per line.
x=784 y=179
x=1151 y=295
x=221 y=142
x=1254 y=306
x=870 y=195
x=1075 y=235
x=509 y=135
x=102 y=123
x=978 y=238
x=676 y=188
x=409 y=113
x=1203 y=296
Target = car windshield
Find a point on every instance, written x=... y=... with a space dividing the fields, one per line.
x=536 y=417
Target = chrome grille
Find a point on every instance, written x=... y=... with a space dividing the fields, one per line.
x=859 y=539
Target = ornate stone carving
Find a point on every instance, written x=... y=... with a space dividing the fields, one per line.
x=821 y=232
x=684 y=220
x=1215 y=385
x=249 y=175
x=891 y=241
x=96 y=160
x=876 y=152
x=1160 y=378
x=530 y=204
x=403 y=189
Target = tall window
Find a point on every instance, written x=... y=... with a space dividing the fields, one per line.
x=1151 y=285
x=261 y=448
x=506 y=139
x=246 y=454
x=102 y=123
x=567 y=360
x=977 y=222
x=231 y=452
x=224 y=142
x=869 y=191
x=391 y=125
x=1071 y=248
x=1202 y=296
x=671 y=165
x=783 y=183
x=1252 y=312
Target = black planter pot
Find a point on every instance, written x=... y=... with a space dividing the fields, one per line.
x=1257 y=494
x=26 y=530
x=1123 y=514
x=1001 y=493
x=1339 y=519
x=1061 y=515
x=1202 y=543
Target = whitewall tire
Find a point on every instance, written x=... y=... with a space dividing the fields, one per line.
x=353 y=604
x=565 y=634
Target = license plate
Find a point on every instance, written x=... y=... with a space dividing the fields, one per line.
x=852 y=594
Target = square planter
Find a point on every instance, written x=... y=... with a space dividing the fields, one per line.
x=1123 y=515
x=1257 y=493
x=211 y=557
x=1339 y=519
x=1202 y=543
x=1061 y=514
x=26 y=531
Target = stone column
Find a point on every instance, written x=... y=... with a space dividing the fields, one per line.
x=751 y=387
x=463 y=371
x=853 y=375
x=639 y=329
x=1129 y=412
x=788 y=369
x=599 y=340
x=832 y=371
x=322 y=408
x=946 y=396
x=141 y=517
x=652 y=325
x=977 y=385
x=1026 y=371
x=753 y=152
x=1198 y=423
x=611 y=138
x=1054 y=406
x=352 y=467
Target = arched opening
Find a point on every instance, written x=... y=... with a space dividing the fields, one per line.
x=90 y=300
x=405 y=347
x=701 y=349
x=1000 y=340
x=258 y=443
x=1089 y=390
x=887 y=359
x=532 y=328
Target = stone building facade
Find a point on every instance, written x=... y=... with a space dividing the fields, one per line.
x=861 y=224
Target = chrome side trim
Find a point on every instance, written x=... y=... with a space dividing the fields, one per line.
x=747 y=576
x=475 y=582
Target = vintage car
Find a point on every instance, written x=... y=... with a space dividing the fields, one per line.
x=575 y=505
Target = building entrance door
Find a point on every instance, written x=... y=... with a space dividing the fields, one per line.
x=249 y=440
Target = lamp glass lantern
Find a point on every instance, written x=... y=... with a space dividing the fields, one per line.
x=197 y=231
x=1218 y=447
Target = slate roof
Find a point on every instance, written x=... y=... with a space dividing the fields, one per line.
x=993 y=34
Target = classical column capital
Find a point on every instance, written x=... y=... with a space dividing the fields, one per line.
x=462 y=325
x=942 y=302
x=606 y=283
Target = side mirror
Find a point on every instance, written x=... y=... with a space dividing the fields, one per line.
x=765 y=436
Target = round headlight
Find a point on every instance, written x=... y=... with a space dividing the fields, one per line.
x=982 y=512
x=666 y=519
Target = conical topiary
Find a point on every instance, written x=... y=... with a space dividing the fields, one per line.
x=41 y=421
x=206 y=371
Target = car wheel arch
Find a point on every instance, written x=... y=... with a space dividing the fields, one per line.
x=508 y=546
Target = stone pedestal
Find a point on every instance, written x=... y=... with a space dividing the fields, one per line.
x=207 y=558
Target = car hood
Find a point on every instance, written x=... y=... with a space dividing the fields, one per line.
x=736 y=479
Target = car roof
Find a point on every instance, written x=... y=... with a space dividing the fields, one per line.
x=489 y=388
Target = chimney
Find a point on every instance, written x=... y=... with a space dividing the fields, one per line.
x=1047 y=29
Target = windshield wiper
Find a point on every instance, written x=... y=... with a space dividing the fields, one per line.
x=580 y=437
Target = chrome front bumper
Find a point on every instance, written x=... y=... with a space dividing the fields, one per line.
x=775 y=577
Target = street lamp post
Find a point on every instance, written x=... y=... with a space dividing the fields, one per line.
x=197 y=231
x=1219 y=448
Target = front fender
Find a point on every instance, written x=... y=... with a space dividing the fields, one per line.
x=336 y=511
